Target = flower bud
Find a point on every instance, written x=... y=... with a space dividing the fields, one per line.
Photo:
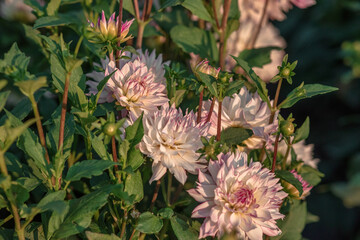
x=110 y=129
x=204 y=67
x=287 y=128
x=209 y=150
x=286 y=72
x=292 y=191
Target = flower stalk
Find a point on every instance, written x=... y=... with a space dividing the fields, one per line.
x=256 y=32
x=222 y=31
x=63 y=111
x=200 y=106
x=275 y=152
x=218 y=134
x=118 y=52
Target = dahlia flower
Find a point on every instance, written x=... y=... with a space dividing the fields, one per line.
x=238 y=197
x=268 y=36
x=17 y=10
x=243 y=110
x=108 y=30
x=171 y=139
x=154 y=64
x=293 y=192
x=134 y=88
x=304 y=153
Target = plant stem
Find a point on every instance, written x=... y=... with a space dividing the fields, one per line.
x=222 y=49
x=3 y=167
x=148 y=9
x=275 y=153
x=123 y=225
x=168 y=193
x=156 y=192
x=218 y=135
x=215 y=14
x=39 y=127
x=164 y=229
x=133 y=233
x=78 y=44
x=118 y=52
x=286 y=156
x=200 y=106
x=211 y=110
x=141 y=27
x=177 y=193
x=256 y=32
x=115 y=159
x=8 y=218
x=18 y=228
x=137 y=12
x=63 y=111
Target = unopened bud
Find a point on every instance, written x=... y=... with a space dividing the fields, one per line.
x=110 y=129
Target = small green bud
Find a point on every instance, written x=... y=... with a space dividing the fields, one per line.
x=286 y=72
x=209 y=150
x=110 y=129
x=287 y=128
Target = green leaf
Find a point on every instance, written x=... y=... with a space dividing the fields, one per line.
x=100 y=148
x=302 y=132
x=210 y=83
x=29 y=87
x=51 y=21
x=196 y=40
x=294 y=222
x=3 y=83
x=311 y=175
x=305 y=91
x=28 y=183
x=97 y=236
x=166 y=213
x=87 y=169
x=290 y=178
x=134 y=186
x=148 y=223
x=53 y=202
x=198 y=9
x=129 y=6
x=182 y=230
x=171 y=3
x=178 y=98
x=135 y=159
x=81 y=212
x=257 y=57
x=235 y=136
x=135 y=132
x=20 y=193
x=3 y=97
x=234 y=87
x=53 y=7
x=260 y=85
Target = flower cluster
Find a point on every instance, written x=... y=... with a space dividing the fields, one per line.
x=238 y=197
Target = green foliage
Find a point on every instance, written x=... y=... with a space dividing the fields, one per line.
x=257 y=57
x=196 y=40
x=290 y=178
x=302 y=132
x=305 y=91
x=149 y=223
x=182 y=229
x=235 y=136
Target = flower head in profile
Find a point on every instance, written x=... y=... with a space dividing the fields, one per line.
x=134 y=88
x=293 y=192
x=244 y=110
x=171 y=139
x=203 y=67
x=105 y=31
x=238 y=197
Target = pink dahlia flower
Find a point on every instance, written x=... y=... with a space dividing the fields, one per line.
x=243 y=110
x=134 y=88
x=303 y=3
x=171 y=139
x=238 y=197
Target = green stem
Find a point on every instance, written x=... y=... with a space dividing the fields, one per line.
x=8 y=218
x=286 y=156
x=218 y=135
x=3 y=167
x=164 y=229
x=20 y=231
x=78 y=45
x=123 y=226
x=275 y=153
x=222 y=48
x=256 y=32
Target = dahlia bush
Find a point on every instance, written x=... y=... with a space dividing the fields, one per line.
x=156 y=124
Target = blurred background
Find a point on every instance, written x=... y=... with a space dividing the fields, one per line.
x=325 y=39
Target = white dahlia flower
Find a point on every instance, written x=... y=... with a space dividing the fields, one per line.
x=171 y=139
x=154 y=64
x=243 y=110
x=304 y=153
x=134 y=88
x=238 y=197
x=268 y=36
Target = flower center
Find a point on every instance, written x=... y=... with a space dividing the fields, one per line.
x=241 y=198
